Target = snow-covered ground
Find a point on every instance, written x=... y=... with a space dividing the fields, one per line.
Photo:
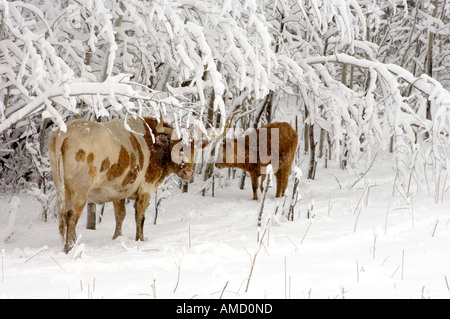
x=204 y=247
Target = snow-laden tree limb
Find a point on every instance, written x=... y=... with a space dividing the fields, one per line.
x=66 y=91
x=424 y=83
x=406 y=122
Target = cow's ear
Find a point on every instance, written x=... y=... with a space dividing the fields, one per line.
x=174 y=142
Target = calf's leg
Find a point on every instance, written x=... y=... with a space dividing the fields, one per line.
x=284 y=181
x=261 y=186
x=254 y=177
x=278 y=176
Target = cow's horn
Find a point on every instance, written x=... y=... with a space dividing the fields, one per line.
x=160 y=126
x=226 y=128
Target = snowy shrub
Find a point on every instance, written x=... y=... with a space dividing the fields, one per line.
x=369 y=77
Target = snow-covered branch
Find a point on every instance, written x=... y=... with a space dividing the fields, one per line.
x=356 y=67
x=424 y=83
x=64 y=94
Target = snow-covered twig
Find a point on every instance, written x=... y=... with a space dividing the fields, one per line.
x=40 y=251
x=252 y=265
x=223 y=290
x=269 y=173
x=304 y=235
x=3 y=269
x=295 y=192
x=366 y=189
x=7 y=232
x=178 y=278
x=364 y=174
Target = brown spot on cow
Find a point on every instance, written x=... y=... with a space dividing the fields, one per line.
x=90 y=163
x=119 y=168
x=80 y=156
x=130 y=178
x=133 y=173
x=137 y=147
x=105 y=165
x=90 y=159
x=132 y=160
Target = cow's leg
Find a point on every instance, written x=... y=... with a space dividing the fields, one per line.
x=261 y=187
x=254 y=178
x=278 y=176
x=119 y=212
x=142 y=202
x=284 y=179
x=75 y=201
x=71 y=220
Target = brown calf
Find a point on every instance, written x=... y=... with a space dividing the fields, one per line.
x=113 y=161
x=273 y=144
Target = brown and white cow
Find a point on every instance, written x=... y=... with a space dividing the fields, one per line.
x=112 y=162
x=274 y=144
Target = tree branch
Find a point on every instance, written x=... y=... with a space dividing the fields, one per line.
x=73 y=90
x=425 y=84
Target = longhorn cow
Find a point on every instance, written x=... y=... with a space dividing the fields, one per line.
x=112 y=162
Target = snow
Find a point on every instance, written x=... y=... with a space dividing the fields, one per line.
x=389 y=248
x=7 y=231
x=370 y=238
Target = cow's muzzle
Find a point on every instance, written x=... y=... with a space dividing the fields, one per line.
x=187 y=174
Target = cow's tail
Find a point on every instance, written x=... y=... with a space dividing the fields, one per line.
x=56 y=145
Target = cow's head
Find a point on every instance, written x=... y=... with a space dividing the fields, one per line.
x=178 y=148
x=178 y=152
x=182 y=153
